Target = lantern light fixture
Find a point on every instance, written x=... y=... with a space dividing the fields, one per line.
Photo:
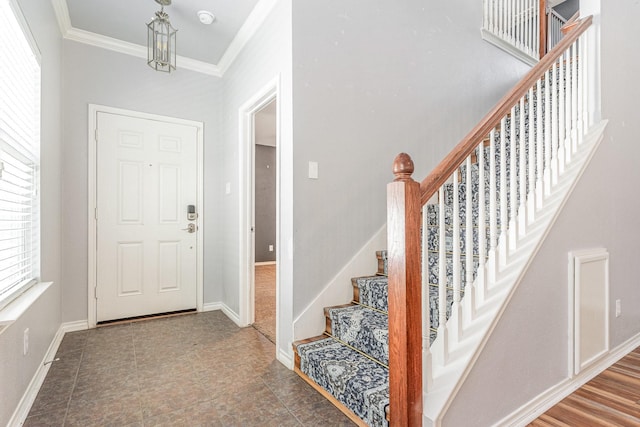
x=161 y=41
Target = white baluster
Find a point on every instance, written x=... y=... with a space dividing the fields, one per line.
x=536 y=28
x=531 y=144
x=456 y=323
x=504 y=191
x=522 y=172
x=493 y=207
x=482 y=225
x=561 y=113
x=548 y=126
x=470 y=285
x=442 y=279
x=513 y=183
x=427 y=362
x=568 y=106
x=512 y=21
x=539 y=146
x=586 y=61
x=574 y=97
x=581 y=88
x=554 y=126
x=517 y=27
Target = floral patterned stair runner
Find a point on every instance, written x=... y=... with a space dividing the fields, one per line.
x=362 y=329
x=356 y=381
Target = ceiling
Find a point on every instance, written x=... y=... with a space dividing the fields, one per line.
x=121 y=25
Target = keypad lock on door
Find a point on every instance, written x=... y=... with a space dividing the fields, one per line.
x=191 y=213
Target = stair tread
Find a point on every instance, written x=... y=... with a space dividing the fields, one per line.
x=362 y=328
x=354 y=380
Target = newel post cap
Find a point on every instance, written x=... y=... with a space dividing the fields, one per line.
x=403 y=167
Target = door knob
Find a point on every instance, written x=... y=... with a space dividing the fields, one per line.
x=191 y=228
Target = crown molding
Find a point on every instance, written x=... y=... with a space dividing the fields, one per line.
x=248 y=29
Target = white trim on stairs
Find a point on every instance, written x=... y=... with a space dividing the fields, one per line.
x=545 y=400
x=508 y=47
x=448 y=382
x=310 y=322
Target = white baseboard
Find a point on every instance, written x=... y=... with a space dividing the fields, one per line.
x=22 y=411
x=78 y=325
x=231 y=315
x=339 y=291
x=211 y=306
x=285 y=358
x=544 y=401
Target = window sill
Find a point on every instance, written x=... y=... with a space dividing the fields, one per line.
x=16 y=308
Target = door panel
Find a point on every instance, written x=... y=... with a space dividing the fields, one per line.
x=146 y=178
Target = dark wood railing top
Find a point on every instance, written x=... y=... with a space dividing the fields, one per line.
x=454 y=159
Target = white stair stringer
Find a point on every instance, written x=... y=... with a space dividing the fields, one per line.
x=448 y=377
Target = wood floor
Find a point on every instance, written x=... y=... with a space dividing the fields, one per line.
x=265 y=301
x=610 y=399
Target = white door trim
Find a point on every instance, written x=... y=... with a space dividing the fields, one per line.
x=94 y=109
x=247 y=111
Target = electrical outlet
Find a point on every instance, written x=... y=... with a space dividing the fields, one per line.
x=270 y=248
x=618 y=308
x=25 y=342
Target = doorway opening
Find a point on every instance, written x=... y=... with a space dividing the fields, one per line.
x=260 y=211
x=264 y=248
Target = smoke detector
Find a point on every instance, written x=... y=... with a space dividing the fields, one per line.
x=206 y=17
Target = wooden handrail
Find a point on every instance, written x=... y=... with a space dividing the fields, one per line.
x=570 y=24
x=454 y=159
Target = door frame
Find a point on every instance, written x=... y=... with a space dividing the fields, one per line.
x=268 y=93
x=92 y=247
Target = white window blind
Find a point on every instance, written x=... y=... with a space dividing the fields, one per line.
x=19 y=156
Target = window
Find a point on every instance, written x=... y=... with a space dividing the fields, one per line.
x=19 y=155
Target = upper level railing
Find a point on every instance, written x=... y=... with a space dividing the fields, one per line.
x=526 y=28
x=517 y=23
x=555 y=22
x=450 y=235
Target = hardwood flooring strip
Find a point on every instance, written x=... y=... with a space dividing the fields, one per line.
x=607 y=399
x=574 y=417
x=600 y=411
x=610 y=399
x=548 y=421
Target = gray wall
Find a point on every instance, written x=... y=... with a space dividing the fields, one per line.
x=529 y=348
x=265 y=203
x=372 y=79
x=265 y=58
x=567 y=8
x=43 y=318
x=97 y=76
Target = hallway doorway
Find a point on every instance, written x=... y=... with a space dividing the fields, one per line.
x=265 y=183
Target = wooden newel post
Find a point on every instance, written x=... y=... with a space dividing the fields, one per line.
x=543 y=28
x=405 y=300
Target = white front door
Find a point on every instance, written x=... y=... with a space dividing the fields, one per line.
x=146 y=244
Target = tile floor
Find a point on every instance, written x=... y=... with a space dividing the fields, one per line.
x=191 y=370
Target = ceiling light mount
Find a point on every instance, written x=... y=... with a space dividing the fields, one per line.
x=205 y=16
x=161 y=41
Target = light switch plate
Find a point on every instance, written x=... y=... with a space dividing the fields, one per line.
x=313 y=170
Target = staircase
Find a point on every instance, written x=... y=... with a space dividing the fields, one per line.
x=349 y=363
x=459 y=243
